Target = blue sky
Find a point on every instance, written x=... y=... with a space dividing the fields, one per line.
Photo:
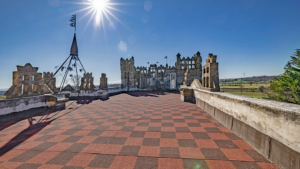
x=255 y=36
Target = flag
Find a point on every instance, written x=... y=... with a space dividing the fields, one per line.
x=73 y=21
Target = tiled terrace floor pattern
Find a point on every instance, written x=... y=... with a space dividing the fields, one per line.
x=132 y=131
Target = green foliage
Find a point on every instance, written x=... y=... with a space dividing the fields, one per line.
x=261 y=89
x=287 y=87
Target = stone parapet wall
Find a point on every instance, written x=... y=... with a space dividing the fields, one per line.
x=271 y=127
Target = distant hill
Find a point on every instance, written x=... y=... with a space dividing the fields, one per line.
x=2 y=93
x=253 y=78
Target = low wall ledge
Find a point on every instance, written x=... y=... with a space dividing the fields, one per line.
x=270 y=105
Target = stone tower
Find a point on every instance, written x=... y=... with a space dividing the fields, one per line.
x=103 y=81
x=26 y=82
x=210 y=79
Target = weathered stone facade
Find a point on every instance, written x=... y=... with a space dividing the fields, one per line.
x=160 y=77
x=50 y=81
x=26 y=82
x=210 y=79
x=103 y=81
x=87 y=82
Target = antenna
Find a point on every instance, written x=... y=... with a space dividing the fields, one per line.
x=166 y=57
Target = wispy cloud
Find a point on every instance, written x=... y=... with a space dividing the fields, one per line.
x=122 y=46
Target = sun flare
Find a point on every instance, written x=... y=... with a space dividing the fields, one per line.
x=100 y=10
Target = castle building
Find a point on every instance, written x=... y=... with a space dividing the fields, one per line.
x=160 y=77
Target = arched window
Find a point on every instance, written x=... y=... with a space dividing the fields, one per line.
x=207 y=70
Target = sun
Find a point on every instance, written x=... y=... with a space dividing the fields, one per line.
x=100 y=10
x=100 y=5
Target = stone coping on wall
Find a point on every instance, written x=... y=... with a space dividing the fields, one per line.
x=279 y=120
x=264 y=103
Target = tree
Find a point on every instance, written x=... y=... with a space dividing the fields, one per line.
x=287 y=87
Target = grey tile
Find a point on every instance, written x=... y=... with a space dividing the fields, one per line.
x=137 y=134
x=151 y=142
x=200 y=135
x=130 y=150
x=77 y=147
x=72 y=139
x=169 y=152
x=118 y=140
x=62 y=158
x=27 y=155
x=29 y=166
x=146 y=163
x=186 y=143
x=102 y=140
x=168 y=135
x=102 y=161
x=194 y=163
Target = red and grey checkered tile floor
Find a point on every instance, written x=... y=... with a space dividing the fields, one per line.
x=132 y=131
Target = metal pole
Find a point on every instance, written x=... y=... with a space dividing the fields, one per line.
x=65 y=75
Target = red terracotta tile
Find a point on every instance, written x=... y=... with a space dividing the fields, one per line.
x=123 y=134
x=180 y=125
x=236 y=155
x=197 y=129
x=82 y=132
x=149 y=151
x=87 y=139
x=134 y=141
x=225 y=130
x=81 y=160
x=170 y=163
x=167 y=120
x=115 y=128
x=184 y=136
x=207 y=125
x=206 y=143
x=189 y=152
x=109 y=133
x=28 y=145
x=11 y=154
x=218 y=136
x=111 y=149
x=124 y=162
x=168 y=129
x=168 y=142
x=216 y=164
x=50 y=166
x=91 y=127
x=155 y=125
x=152 y=135
x=58 y=138
x=43 y=157
x=140 y=128
x=60 y=147
x=242 y=144
x=10 y=165
x=267 y=165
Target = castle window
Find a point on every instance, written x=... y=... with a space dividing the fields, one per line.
x=193 y=66
x=193 y=62
x=190 y=66
x=208 y=70
x=204 y=70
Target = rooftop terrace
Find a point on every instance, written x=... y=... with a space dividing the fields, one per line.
x=132 y=130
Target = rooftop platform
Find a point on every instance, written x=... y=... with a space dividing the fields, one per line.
x=136 y=130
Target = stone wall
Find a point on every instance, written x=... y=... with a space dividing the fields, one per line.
x=8 y=106
x=271 y=127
